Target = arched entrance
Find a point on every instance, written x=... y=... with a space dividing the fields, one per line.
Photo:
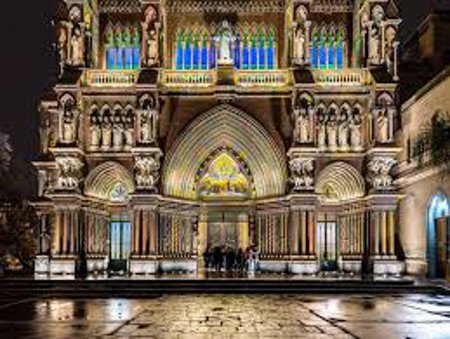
x=438 y=231
x=224 y=161
x=337 y=185
x=111 y=184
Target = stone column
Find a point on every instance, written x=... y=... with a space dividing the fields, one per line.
x=307 y=42
x=396 y=77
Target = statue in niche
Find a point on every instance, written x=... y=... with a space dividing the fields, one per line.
x=95 y=132
x=77 y=45
x=129 y=131
x=145 y=129
x=69 y=127
x=106 y=133
x=383 y=126
x=321 y=138
x=152 y=48
x=148 y=121
x=225 y=38
x=332 y=132
x=62 y=48
x=45 y=132
x=300 y=46
x=304 y=122
x=374 y=44
x=343 y=131
x=118 y=130
x=355 y=132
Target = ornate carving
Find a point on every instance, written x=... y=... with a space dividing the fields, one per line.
x=147 y=172
x=69 y=172
x=380 y=168
x=302 y=173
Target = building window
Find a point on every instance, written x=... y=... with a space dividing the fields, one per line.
x=122 y=48
x=327 y=48
x=252 y=50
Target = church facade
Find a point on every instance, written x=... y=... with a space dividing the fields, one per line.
x=178 y=125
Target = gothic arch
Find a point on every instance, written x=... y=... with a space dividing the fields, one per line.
x=224 y=127
x=103 y=180
x=339 y=182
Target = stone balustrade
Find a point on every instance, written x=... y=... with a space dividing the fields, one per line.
x=343 y=77
x=262 y=78
x=110 y=78
x=188 y=78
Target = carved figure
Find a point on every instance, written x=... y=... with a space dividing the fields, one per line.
x=379 y=172
x=106 y=133
x=77 y=44
x=118 y=130
x=383 y=127
x=343 y=132
x=355 y=134
x=225 y=39
x=146 y=172
x=95 y=133
x=332 y=135
x=300 y=46
x=152 y=48
x=302 y=173
x=322 y=136
x=69 y=127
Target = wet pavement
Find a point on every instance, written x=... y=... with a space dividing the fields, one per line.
x=228 y=316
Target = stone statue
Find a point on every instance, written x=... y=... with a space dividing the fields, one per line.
x=118 y=130
x=128 y=134
x=343 y=132
x=152 y=48
x=45 y=133
x=332 y=135
x=225 y=40
x=62 y=48
x=304 y=127
x=77 y=47
x=300 y=46
x=383 y=127
x=95 y=133
x=374 y=45
x=69 y=127
x=322 y=136
x=106 y=133
x=355 y=134
x=145 y=130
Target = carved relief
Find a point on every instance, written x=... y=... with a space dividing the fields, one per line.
x=147 y=172
x=68 y=120
x=302 y=173
x=69 y=173
x=380 y=168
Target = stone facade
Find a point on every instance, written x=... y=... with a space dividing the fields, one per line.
x=268 y=124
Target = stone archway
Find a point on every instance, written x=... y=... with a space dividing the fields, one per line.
x=109 y=181
x=438 y=214
x=224 y=127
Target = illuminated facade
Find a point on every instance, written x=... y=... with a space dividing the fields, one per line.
x=181 y=124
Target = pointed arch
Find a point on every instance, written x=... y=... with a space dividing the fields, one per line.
x=340 y=182
x=224 y=127
x=104 y=181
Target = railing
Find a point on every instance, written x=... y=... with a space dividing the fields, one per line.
x=262 y=78
x=343 y=77
x=109 y=78
x=188 y=78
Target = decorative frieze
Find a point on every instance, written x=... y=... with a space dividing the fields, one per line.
x=380 y=168
x=146 y=169
x=69 y=172
x=302 y=173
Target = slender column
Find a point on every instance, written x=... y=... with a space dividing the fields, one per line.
x=294 y=234
x=307 y=42
x=391 y=222
x=56 y=249
x=136 y=232
x=396 y=77
x=65 y=233
x=383 y=233
x=144 y=232
x=153 y=218
x=376 y=232
x=303 y=228
x=311 y=226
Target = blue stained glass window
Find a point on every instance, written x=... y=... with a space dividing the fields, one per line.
x=187 y=56
x=196 y=57
x=212 y=57
x=136 y=57
x=339 y=57
x=270 y=55
x=262 y=56
x=331 y=57
x=254 y=56
x=322 y=56
x=313 y=55
x=179 y=56
x=128 y=58
x=111 y=58
x=119 y=64
x=245 y=56
x=237 y=53
x=204 y=58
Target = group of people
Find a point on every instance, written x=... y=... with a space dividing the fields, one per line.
x=221 y=257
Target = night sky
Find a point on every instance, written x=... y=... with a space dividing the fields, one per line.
x=28 y=63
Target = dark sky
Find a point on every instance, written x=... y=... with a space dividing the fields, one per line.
x=28 y=65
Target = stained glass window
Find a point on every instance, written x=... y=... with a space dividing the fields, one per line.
x=327 y=50
x=122 y=48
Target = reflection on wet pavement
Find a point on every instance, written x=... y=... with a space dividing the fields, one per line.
x=230 y=316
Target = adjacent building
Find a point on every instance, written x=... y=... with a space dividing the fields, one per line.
x=178 y=125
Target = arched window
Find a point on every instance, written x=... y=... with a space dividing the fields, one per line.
x=245 y=53
x=270 y=52
x=328 y=48
x=179 y=51
x=122 y=48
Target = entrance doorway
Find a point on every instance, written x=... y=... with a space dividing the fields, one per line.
x=326 y=241
x=223 y=228
x=120 y=245
x=438 y=229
